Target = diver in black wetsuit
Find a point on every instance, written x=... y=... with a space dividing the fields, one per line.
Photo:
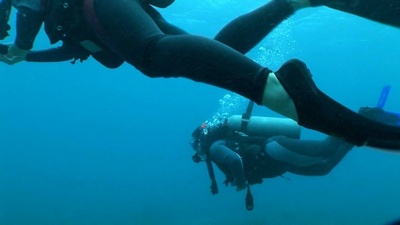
x=139 y=36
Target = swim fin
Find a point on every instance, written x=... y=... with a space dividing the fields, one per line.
x=382 y=11
x=317 y=111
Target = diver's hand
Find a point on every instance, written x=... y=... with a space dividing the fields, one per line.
x=14 y=55
x=239 y=185
x=11 y=61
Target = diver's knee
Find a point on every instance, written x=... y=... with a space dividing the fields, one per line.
x=151 y=63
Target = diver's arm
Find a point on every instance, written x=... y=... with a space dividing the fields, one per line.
x=68 y=52
x=225 y=157
x=29 y=22
x=63 y=53
x=58 y=54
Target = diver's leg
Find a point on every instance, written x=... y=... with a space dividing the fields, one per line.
x=382 y=11
x=306 y=157
x=138 y=39
x=284 y=154
x=246 y=31
x=317 y=111
x=161 y=22
x=290 y=91
x=338 y=149
x=310 y=148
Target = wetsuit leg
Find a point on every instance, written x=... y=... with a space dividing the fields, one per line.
x=138 y=39
x=338 y=150
x=310 y=148
x=246 y=31
x=383 y=11
x=308 y=157
x=284 y=155
x=162 y=23
x=242 y=33
x=318 y=111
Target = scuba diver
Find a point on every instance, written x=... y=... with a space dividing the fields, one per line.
x=248 y=149
x=158 y=49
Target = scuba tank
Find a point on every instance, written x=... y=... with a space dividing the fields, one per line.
x=260 y=126
x=265 y=126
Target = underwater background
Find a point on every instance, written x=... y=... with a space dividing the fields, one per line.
x=81 y=144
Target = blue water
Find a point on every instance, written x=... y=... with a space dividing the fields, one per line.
x=84 y=145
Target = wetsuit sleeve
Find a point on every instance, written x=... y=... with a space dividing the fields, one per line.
x=29 y=22
x=224 y=157
x=63 y=53
x=73 y=52
x=307 y=157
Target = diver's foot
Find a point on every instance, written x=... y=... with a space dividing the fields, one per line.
x=299 y=4
x=277 y=99
x=380 y=115
x=317 y=111
x=332 y=145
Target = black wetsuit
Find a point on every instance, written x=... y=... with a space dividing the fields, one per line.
x=382 y=11
x=140 y=36
x=132 y=31
x=136 y=33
